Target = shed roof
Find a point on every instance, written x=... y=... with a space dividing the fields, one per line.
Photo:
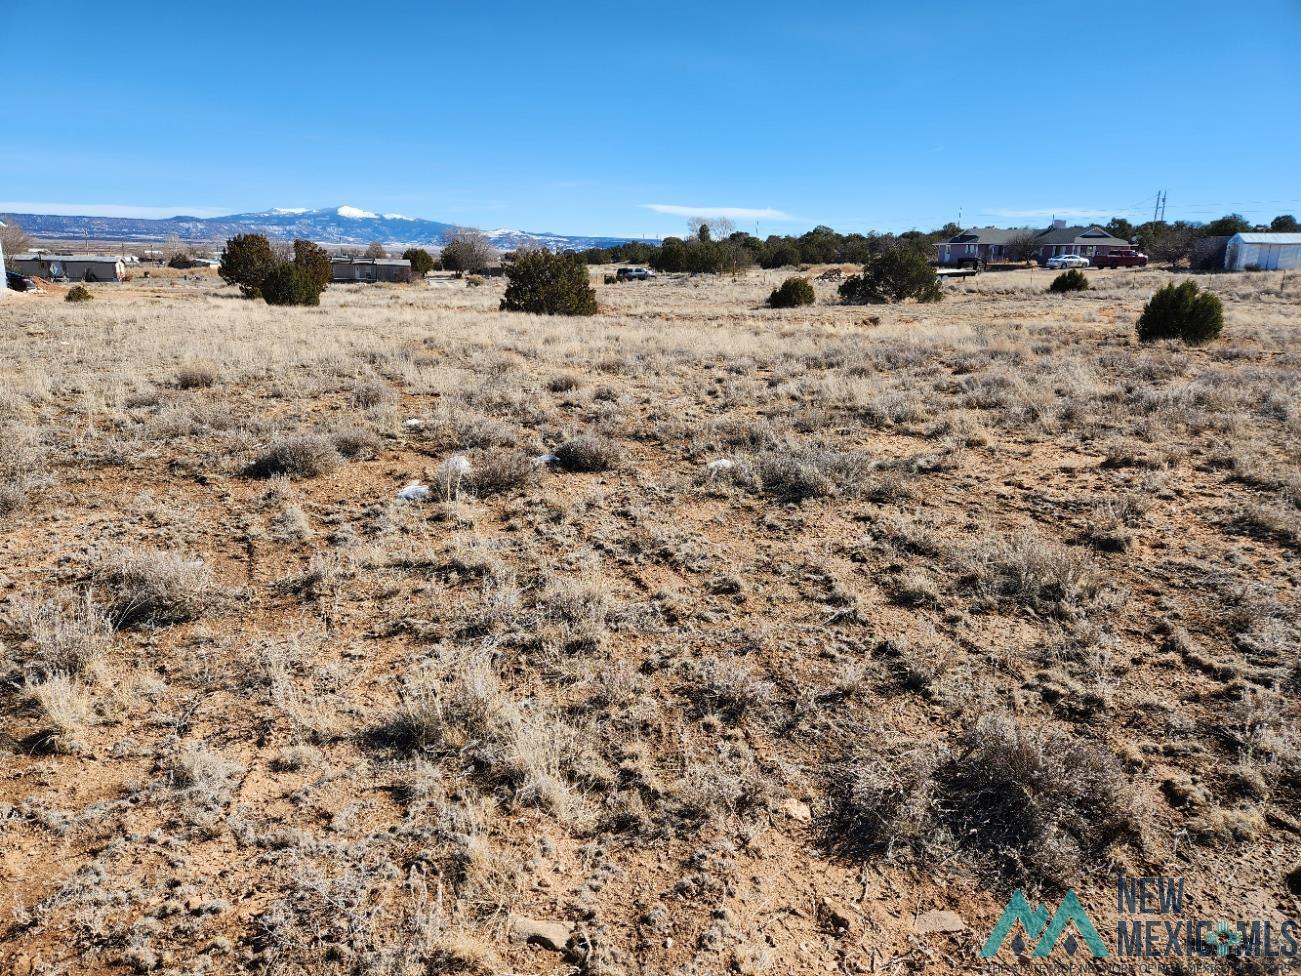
x=1253 y=238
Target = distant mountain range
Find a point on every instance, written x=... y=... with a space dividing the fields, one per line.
x=338 y=225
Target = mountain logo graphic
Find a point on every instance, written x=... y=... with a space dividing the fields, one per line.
x=1044 y=932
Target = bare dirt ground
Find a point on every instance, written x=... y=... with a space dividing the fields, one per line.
x=815 y=622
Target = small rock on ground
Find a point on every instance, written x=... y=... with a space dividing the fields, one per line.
x=549 y=935
x=938 y=921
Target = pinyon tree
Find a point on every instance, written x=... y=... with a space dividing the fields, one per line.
x=549 y=284
x=246 y=261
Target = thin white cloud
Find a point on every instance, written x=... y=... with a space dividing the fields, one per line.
x=106 y=210
x=740 y=213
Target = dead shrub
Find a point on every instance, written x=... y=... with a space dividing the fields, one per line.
x=356 y=444
x=203 y=773
x=467 y=429
x=1034 y=572
x=297 y=456
x=1029 y=804
x=588 y=452
x=157 y=588
x=729 y=782
x=727 y=689
x=1279 y=521
x=922 y=659
x=563 y=383
x=65 y=637
x=916 y=588
x=195 y=376
x=1039 y=803
x=13 y=497
x=884 y=797
x=368 y=395
x=62 y=704
x=459 y=707
x=500 y=472
x=803 y=473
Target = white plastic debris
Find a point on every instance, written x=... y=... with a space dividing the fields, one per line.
x=455 y=467
x=414 y=423
x=542 y=459
x=450 y=476
x=414 y=492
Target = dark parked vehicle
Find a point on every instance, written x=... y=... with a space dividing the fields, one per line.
x=16 y=281
x=1121 y=257
x=633 y=274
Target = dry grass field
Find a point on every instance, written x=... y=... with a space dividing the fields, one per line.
x=724 y=639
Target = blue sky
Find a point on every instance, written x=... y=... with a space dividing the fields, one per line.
x=585 y=120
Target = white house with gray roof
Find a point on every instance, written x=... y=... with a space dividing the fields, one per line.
x=980 y=246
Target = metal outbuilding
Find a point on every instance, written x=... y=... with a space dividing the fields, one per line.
x=1263 y=252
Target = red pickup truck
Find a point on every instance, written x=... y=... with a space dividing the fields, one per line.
x=1121 y=257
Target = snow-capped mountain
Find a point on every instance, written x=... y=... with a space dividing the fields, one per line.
x=334 y=225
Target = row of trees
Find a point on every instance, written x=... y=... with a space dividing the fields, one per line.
x=715 y=247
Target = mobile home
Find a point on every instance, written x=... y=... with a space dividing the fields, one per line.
x=71 y=267
x=370 y=269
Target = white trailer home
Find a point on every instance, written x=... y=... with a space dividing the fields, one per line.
x=1263 y=252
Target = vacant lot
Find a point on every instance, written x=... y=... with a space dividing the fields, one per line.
x=723 y=639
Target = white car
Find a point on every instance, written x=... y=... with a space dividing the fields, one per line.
x=1067 y=261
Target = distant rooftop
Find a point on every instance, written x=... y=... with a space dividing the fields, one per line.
x=50 y=256
x=394 y=262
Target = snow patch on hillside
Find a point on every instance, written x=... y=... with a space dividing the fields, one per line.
x=356 y=214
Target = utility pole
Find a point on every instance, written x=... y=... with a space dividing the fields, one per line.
x=1158 y=211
